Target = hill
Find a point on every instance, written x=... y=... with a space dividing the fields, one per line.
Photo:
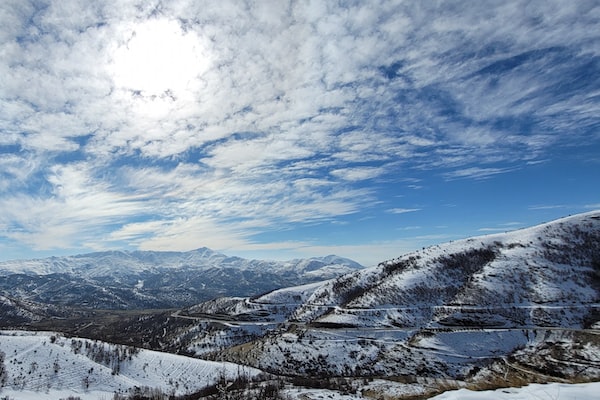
x=48 y=365
x=522 y=305
x=547 y=275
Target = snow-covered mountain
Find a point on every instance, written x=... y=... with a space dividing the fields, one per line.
x=524 y=304
x=147 y=279
x=548 y=275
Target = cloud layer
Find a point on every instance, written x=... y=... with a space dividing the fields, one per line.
x=172 y=125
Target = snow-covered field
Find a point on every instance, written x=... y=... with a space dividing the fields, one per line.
x=45 y=365
x=552 y=391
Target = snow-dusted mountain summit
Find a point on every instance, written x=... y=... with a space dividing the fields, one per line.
x=148 y=279
x=547 y=275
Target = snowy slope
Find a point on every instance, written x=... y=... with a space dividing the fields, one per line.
x=583 y=391
x=547 y=275
x=46 y=363
x=19 y=311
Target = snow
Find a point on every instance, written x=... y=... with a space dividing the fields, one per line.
x=318 y=394
x=582 y=391
x=46 y=363
x=294 y=295
x=473 y=344
x=553 y=391
x=116 y=263
x=53 y=394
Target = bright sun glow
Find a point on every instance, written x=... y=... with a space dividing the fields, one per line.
x=157 y=58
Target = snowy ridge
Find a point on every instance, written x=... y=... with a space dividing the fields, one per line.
x=115 y=263
x=523 y=278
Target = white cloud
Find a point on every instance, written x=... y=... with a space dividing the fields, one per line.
x=15 y=170
x=181 y=234
x=503 y=227
x=403 y=210
x=476 y=173
x=78 y=207
x=358 y=173
x=547 y=206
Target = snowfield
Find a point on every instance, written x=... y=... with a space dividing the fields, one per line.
x=552 y=391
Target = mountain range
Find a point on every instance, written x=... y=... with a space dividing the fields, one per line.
x=484 y=312
x=148 y=279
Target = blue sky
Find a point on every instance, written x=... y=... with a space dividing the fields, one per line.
x=277 y=129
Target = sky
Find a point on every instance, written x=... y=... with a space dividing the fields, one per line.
x=277 y=130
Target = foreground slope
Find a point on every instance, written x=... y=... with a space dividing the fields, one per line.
x=47 y=362
x=584 y=391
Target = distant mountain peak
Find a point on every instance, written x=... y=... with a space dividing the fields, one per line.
x=140 y=279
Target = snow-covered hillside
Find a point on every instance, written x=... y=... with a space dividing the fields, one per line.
x=519 y=303
x=584 y=391
x=147 y=279
x=51 y=365
x=20 y=311
x=44 y=366
x=547 y=275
